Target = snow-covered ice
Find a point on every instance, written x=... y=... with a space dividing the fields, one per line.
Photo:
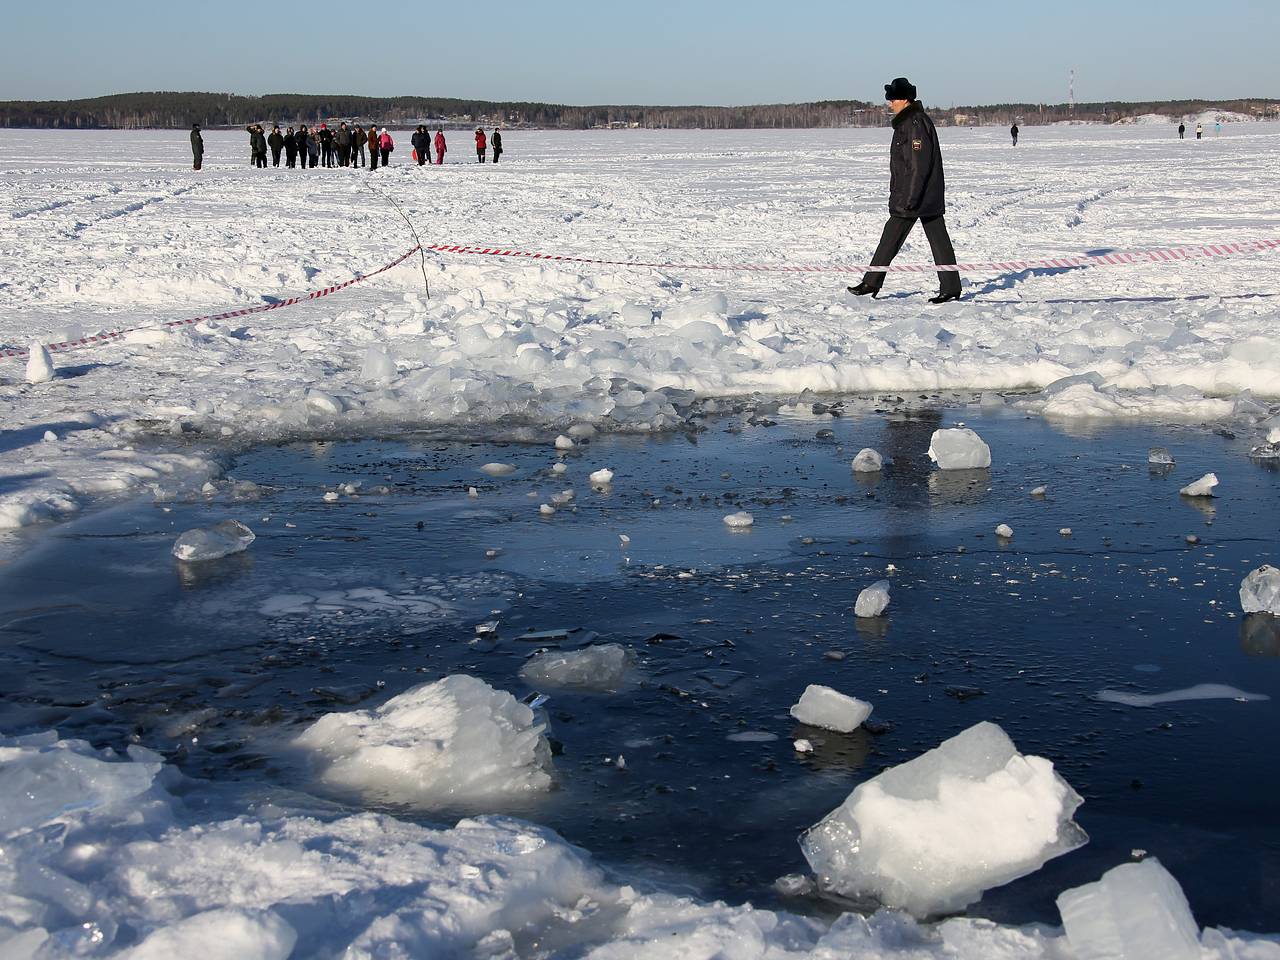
x=867 y=461
x=873 y=600
x=601 y=478
x=821 y=706
x=454 y=740
x=1137 y=911
x=498 y=469
x=930 y=835
x=1202 y=487
x=212 y=543
x=959 y=448
x=601 y=667
x=1260 y=591
x=1004 y=531
x=739 y=520
x=1201 y=691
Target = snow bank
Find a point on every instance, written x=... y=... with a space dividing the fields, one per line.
x=932 y=834
x=454 y=740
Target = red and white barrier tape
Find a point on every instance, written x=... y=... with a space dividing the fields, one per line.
x=113 y=335
x=1094 y=260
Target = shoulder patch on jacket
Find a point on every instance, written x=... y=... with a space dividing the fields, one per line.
x=917 y=145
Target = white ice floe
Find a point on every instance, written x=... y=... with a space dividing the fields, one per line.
x=1260 y=591
x=212 y=543
x=802 y=746
x=1064 y=531
x=1159 y=456
x=454 y=740
x=601 y=478
x=959 y=448
x=739 y=520
x=873 y=600
x=1039 y=491
x=1137 y=911
x=821 y=706
x=1201 y=691
x=1202 y=487
x=930 y=835
x=867 y=461
x=559 y=468
x=602 y=667
x=39 y=364
x=546 y=509
x=564 y=443
x=498 y=469
x=1004 y=532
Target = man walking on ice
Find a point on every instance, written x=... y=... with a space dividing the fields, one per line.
x=916 y=191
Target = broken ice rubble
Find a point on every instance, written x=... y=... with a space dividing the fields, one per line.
x=873 y=600
x=821 y=706
x=929 y=836
x=211 y=543
x=1260 y=591
x=457 y=739
x=1137 y=911
x=959 y=448
x=867 y=461
x=602 y=668
x=1202 y=487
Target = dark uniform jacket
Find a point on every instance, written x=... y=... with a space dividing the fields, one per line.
x=197 y=143
x=916 y=186
x=422 y=142
x=276 y=140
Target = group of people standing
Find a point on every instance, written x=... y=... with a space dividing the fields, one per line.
x=344 y=147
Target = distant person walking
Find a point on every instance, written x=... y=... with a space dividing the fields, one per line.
x=357 y=146
x=916 y=192
x=276 y=143
x=1182 y=131
x=481 y=146
x=1199 y=130
x=197 y=147
x=1217 y=128
x=385 y=146
x=372 y=140
x=342 y=140
x=440 y=146
x=1013 y=132
x=421 y=145
x=290 y=148
x=497 y=144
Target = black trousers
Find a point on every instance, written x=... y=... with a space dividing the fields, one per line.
x=496 y=155
x=357 y=155
x=259 y=159
x=480 y=154
x=386 y=157
x=895 y=235
x=344 y=154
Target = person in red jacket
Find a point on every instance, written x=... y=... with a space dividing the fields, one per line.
x=440 y=146
x=481 y=145
x=386 y=145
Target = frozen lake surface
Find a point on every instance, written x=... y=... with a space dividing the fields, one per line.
x=348 y=602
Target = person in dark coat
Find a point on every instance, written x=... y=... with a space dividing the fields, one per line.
x=1013 y=132
x=276 y=143
x=342 y=140
x=480 y=145
x=357 y=146
x=916 y=192
x=290 y=148
x=497 y=145
x=421 y=144
x=1182 y=131
x=303 y=139
x=257 y=145
x=372 y=139
x=313 y=149
x=197 y=147
x=325 y=136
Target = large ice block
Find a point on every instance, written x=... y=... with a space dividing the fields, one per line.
x=821 y=706
x=959 y=448
x=213 y=543
x=1136 y=911
x=601 y=667
x=930 y=835
x=1260 y=591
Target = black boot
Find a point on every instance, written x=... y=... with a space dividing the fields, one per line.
x=945 y=298
x=863 y=288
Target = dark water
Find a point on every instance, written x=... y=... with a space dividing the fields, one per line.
x=105 y=637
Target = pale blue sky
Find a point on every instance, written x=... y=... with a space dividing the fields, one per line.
x=656 y=51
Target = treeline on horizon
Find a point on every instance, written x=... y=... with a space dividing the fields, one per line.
x=176 y=110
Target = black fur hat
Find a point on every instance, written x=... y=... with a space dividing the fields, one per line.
x=900 y=89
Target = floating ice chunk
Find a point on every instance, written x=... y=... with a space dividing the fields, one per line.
x=562 y=498
x=451 y=740
x=1202 y=487
x=739 y=520
x=1064 y=531
x=803 y=746
x=1266 y=451
x=1004 y=532
x=1137 y=911
x=1260 y=591
x=602 y=668
x=959 y=448
x=1159 y=456
x=867 y=461
x=602 y=477
x=1039 y=491
x=39 y=363
x=564 y=443
x=225 y=934
x=932 y=834
x=752 y=736
x=821 y=706
x=1201 y=691
x=498 y=469
x=209 y=543
x=330 y=496
x=559 y=468
x=873 y=600
x=546 y=509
